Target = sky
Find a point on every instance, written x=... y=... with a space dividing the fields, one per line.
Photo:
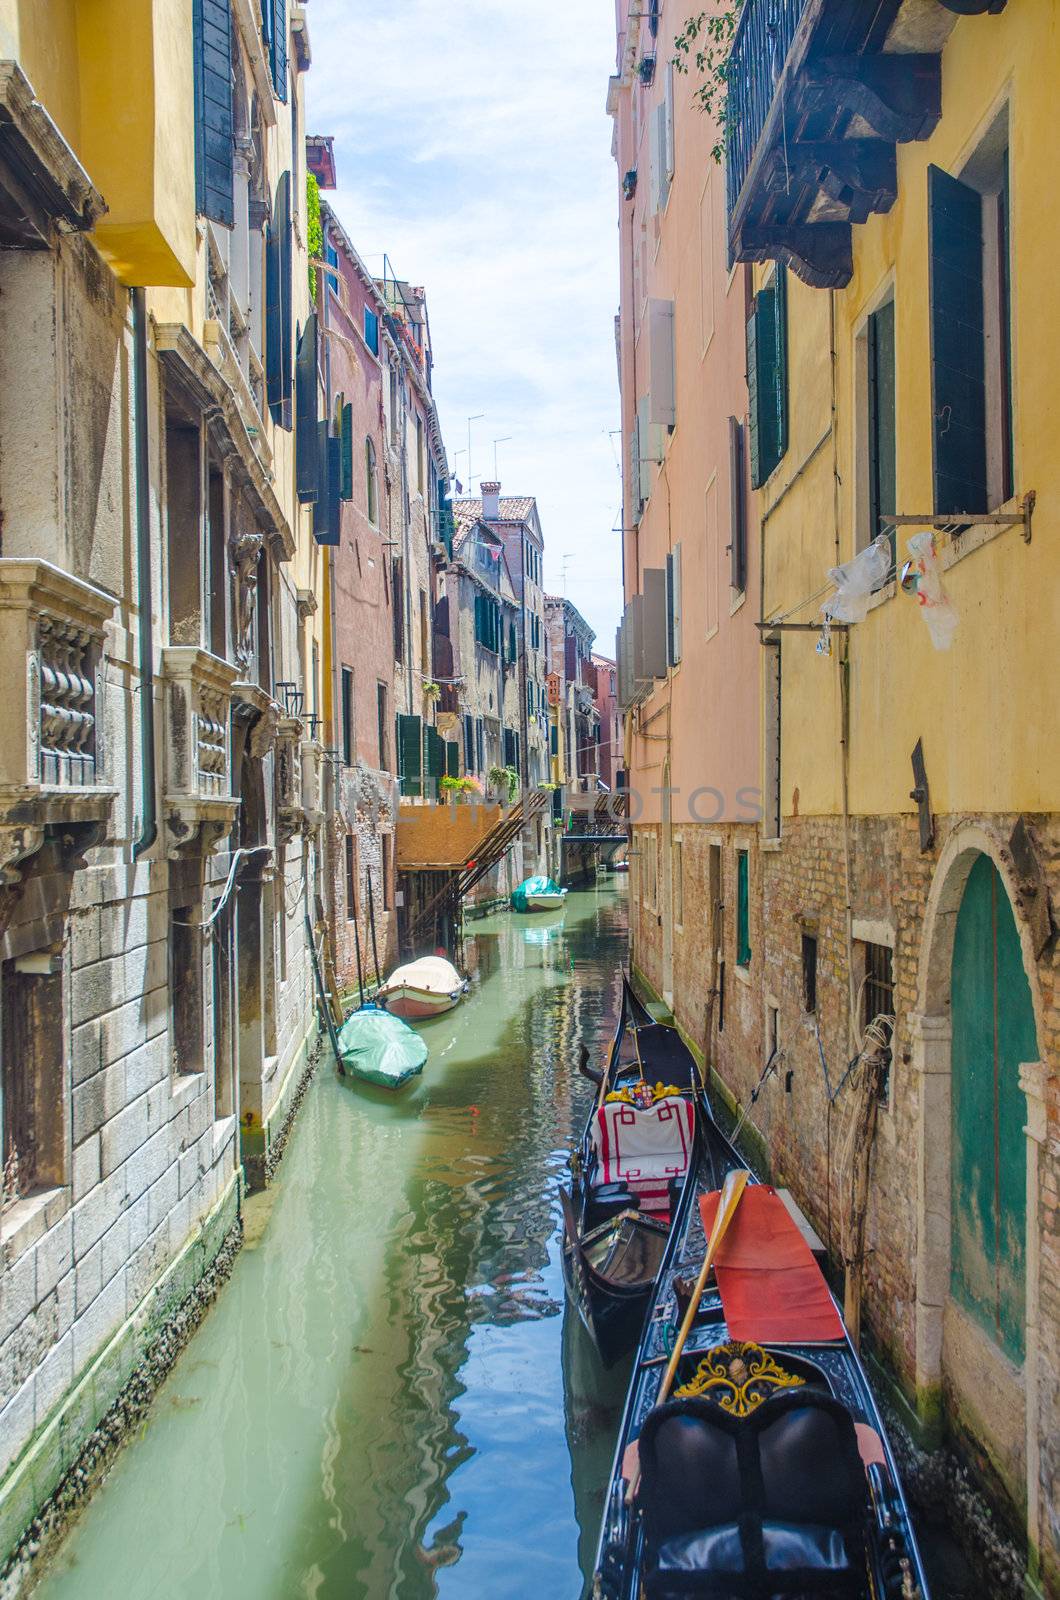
x=472 y=146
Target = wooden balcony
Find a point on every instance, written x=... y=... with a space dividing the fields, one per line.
x=820 y=94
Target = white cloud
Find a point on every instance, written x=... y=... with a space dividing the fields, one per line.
x=473 y=148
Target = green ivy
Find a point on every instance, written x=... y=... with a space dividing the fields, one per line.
x=705 y=42
x=314 y=231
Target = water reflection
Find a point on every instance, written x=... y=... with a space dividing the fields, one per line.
x=375 y=1407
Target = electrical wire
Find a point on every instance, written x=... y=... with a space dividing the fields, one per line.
x=202 y=927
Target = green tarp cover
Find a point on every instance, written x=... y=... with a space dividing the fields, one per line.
x=531 y=886
x=380 y=1048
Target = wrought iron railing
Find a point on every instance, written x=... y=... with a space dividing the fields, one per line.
x=759 y=50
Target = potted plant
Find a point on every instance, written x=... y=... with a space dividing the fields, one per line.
x=504 y=781
x=646 y=69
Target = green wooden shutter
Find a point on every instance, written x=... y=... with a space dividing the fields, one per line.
x=958 y=348
x=275 y=14
x=737 y=513
x=743 y=910
x=278 y=314
x=410 y=754
x=469 y=743
x=753 y=445
x=307 y=468
x=326 y=506
x=346 y=441
x=452 y=759
x=882 y=482
x=214 y=147
x=780 y=360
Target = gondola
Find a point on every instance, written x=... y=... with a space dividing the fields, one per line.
x=647 y=1135
x=765 y=1472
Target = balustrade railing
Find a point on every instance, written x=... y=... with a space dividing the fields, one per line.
x=67 y=656
x=764 y=36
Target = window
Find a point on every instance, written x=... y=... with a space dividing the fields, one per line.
x=420 y=472
x=346 y=713
x=185 y=989
x=480 y=745
x=385 y=870
x=488 y=626
x=425 y=635
x=971 y=352
x=767 y=378
x=371 y=330
x=469 y=743
x=743 y=909
x=351 y=877
x=678 y=876
x=673 y=607
x=809 y=972
x=397 y=591
x=737 y=508
x=370 y=481
x=223 y=1000
x=882 y=480
x=877 y=996
x=383 y=725
x=31 y=1051
x=214 y=145
x=410 y=754
x=331 y=259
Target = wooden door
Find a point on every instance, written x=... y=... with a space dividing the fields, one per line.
x=993 y=1032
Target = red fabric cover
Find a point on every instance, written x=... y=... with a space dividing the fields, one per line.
x=645 y=1148
x=772 y=1290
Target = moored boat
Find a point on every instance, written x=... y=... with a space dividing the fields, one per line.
x=647 y=1134
x=538 y=894
x=422 y=989
x=380 y=1048
x=752 y=1462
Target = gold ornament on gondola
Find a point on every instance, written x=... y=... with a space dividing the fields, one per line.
x=739 y=1376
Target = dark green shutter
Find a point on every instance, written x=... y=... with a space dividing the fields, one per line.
x=958 y=352
x=278 y=315
x=743 y=910
x=275 y=13
x=452 y=759
x=882 y=486
x=326 y=507
x=346 y=441
x=410 y=754
x=780 y=359
x=737 y=510
x=752 y=398
x=305 y=394
x=469 y=743
x=214 y=148
x=436 y=760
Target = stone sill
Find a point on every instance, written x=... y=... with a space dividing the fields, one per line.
x=28 y=1220
x=743 y=973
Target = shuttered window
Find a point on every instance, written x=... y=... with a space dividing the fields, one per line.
x=480 y=745
x=767 y=378
x=410 y=755
x=452 y=759
x=346 y=443
x=371 y=331
x=279 y=376
x=326 y=508
x=883 y=494
x=274 y=33
x=469 y=743
x=346 y=711
x=436 y=759
x=673 y=607
x=743 y=909
x=214 y=148
x=958 y=351
x=307 y=468
x=737 y=507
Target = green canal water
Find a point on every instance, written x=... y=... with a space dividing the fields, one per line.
x=388 y=1399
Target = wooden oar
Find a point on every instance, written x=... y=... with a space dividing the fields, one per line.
x=731 y=1191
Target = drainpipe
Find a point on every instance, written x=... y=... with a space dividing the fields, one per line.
x=149 y=824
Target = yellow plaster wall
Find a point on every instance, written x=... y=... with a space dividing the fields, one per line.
x=986 y=709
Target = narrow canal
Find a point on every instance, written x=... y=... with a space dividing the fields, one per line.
x=388 y=1399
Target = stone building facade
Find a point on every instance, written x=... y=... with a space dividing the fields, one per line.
x=157 y=799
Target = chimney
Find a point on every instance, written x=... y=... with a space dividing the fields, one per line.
x=491 y=502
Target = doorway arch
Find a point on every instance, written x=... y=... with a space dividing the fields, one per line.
x=976 y=1054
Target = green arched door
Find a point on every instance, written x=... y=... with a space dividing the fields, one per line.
x=993 y=1032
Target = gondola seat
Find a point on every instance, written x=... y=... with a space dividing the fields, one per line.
x=771 y=1506
x=645 y=1149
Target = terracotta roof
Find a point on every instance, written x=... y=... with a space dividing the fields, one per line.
x=514 y=508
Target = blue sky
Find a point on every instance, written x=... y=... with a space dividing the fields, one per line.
x=472 y=146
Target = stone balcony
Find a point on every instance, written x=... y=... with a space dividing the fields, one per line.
x=312 y=775
x=52 y=737
x=289 y=787
x=199 y=806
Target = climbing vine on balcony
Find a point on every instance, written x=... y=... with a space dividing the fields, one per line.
x=703 y=45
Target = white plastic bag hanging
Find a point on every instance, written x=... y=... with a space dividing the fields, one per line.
x=935 y=604
x=856 y=580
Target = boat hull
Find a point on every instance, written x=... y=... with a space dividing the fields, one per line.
x=418 y=1005
x=544 y=902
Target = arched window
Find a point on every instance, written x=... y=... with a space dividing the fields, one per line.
x=369 y=475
